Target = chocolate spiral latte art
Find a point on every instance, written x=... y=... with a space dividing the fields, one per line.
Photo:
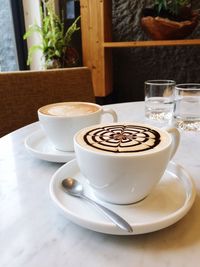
x=122 y=138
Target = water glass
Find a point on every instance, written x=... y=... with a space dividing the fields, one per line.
x=159 y=99
x=187 y=106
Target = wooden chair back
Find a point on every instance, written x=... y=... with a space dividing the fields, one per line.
x=23 y=92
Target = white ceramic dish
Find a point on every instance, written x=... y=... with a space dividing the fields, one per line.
x=40 y=147
x=168 y=203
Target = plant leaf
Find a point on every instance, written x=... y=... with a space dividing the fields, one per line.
x=32 y=50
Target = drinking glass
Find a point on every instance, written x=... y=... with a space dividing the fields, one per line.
x=187 y=106
x=159 y=99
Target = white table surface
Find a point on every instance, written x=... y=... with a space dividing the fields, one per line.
x=33 y=233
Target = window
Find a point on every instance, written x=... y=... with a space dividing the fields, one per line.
x=13 y=49
x=8 y=50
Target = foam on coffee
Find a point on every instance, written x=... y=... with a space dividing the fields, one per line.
x=122 y=138
x=69 y=109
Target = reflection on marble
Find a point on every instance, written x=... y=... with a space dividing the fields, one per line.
x=34 y=233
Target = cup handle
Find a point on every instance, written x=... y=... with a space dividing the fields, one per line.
x=112 y=113
x=175 y=139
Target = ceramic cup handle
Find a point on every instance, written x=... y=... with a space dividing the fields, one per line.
x=112 y=113
x=175 y=139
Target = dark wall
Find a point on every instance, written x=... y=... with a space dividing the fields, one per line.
x=132 y=66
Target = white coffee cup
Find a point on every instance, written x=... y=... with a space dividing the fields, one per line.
x=60 y=121
x=130 y=175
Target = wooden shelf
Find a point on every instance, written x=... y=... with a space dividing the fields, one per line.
x=150 y=43
x=97 y=44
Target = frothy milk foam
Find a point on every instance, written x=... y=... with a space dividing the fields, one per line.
x=69 y=109
x=123 y=138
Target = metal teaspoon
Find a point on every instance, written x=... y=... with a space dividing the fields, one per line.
x=75 y=188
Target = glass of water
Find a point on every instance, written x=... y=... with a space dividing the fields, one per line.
x=187 y=106
x=159 y=100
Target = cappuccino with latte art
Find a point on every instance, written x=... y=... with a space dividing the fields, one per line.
x=123 y=162
x=122 y=138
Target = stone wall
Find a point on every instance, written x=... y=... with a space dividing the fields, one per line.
x=132 y=66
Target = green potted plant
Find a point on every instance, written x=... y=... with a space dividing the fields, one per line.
x=55 y=40
x=169 y=19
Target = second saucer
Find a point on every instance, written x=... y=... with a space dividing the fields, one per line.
x=40 y=147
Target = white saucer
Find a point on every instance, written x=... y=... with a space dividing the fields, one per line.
x=39 y=146
x=168 y=203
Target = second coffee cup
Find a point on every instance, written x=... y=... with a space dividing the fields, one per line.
x=60 y=121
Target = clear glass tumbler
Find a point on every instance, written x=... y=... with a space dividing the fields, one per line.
x=187 y=106
x=159 y=99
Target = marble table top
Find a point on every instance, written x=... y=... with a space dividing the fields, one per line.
x=33 y=232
